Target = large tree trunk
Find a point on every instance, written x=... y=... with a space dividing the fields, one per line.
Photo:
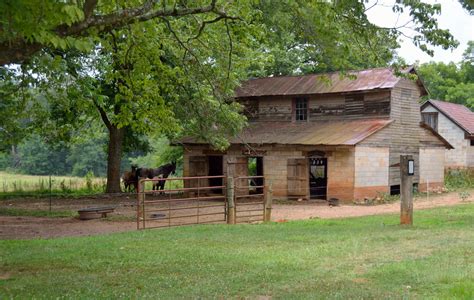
x=116 y=136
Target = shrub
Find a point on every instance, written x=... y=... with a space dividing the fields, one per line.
x=459 y=179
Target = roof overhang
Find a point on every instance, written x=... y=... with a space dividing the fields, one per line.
x=435 y=133
x=320 y=133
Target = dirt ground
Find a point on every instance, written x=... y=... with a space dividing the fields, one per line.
x=122 y=218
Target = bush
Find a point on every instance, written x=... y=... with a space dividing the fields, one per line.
x=459 y=179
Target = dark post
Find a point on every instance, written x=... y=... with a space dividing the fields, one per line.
x=230 y=201
x=268 y=202
x=50 y=191
x=406 y=189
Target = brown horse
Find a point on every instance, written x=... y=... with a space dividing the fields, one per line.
x=162 y=171
x=129 y=179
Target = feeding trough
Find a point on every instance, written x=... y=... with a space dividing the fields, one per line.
x=95 y=212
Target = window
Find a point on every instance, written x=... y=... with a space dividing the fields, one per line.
x=472 y=142
x=430 y=119
x=301 y=109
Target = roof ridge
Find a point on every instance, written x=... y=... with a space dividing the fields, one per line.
x=323 y=73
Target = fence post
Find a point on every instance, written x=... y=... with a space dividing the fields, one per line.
x=406 y=191
x=230 y=201
x=140 y=201
x=268 y=202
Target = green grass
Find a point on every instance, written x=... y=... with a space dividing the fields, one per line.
x=369 y=257
x=7 y=211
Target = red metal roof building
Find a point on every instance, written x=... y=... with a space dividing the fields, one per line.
x=328 y=135
x=455 y=123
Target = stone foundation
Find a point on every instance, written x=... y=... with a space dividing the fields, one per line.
x=370 y=192
x=433 y=186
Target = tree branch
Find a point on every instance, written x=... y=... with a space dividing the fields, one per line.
x=19 y=50
x=103 y=115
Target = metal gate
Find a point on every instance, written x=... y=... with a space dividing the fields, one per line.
x=249 y=195
x=185 y=201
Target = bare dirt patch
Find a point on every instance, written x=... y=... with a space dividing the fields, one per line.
x=122 y=219
x=307 y=210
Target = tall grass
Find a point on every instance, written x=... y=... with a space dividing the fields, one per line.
x=30 y=185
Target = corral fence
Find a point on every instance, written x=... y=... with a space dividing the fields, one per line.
x=197 y=201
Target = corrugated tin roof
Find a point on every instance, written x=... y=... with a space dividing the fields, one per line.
x=457 y=113
x=381 y=78
x=312 y=133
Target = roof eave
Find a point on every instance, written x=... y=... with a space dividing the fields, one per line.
x=446 y=115
x=435 y=133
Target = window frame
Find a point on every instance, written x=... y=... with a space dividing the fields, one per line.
x=300 y=111
x=431 y=115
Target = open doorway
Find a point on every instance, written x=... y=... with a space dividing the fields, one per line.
x=318 y=178
x=216 y=168
x=255 y=168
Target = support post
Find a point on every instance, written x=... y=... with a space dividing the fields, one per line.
x=230 y=201
x=140 y=202
x=268 y=202
x=406 y=191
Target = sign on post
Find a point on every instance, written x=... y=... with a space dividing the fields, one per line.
x=407 y=170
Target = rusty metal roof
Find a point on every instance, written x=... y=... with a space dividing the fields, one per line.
x=332 y=133
x=459 y=114
x=380 y=78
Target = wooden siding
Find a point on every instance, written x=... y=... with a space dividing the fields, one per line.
x=321 y=107
x=404 y=132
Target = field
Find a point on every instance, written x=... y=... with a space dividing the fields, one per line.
x=11 y=184
x=365 y=257
x=17 y=185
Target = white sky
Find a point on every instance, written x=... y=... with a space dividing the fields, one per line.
x=453 y=17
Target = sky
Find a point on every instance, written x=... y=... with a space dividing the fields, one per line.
x=453 y=17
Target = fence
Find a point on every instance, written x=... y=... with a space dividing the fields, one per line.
x=239 y=200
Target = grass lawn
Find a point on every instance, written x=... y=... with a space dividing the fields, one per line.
x=368 y=257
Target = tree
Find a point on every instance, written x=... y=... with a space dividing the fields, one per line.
x=451 y=82
x=172 y=68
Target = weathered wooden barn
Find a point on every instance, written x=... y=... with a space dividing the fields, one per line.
x=328 y=136
x=455 y=123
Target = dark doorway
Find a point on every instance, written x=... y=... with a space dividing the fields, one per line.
x=216 y=168
x=256 y=169
x=318 y=178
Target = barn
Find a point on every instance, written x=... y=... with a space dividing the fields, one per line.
x=327 y=136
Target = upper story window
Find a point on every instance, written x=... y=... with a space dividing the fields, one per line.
x=300 y=112
x=472 y=142
x=431 y=119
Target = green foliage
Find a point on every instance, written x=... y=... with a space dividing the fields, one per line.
x=459 y=179
x=176 y=74
x=161 y=152
x=89 y=180
x=4 y=160
x=464 y=195
x=38 y=158
x=451 y=82
x=363 y=258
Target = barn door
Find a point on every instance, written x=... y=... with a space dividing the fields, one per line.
x=198 y=167
x=237 y=166
x=297 y=177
